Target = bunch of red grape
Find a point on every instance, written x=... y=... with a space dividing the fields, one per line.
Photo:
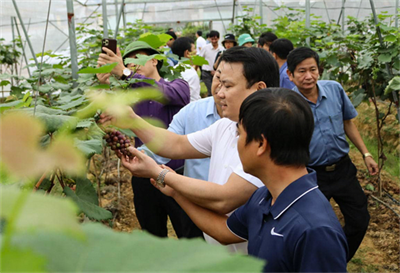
x=118 y=142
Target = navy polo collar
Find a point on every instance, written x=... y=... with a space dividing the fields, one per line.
x=290 y=195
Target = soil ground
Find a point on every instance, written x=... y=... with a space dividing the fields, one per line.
x=379 y=251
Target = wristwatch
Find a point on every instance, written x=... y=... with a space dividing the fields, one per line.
x=126 y=73
x=160 y=178
x=366 y=155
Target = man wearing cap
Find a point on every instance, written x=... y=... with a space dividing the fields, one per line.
x=228 y=42
x=246 y=40
x=209 y=51
x=152 y=215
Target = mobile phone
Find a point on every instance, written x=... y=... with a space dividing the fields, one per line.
x=110 y=44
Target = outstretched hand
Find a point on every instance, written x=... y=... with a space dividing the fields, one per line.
x=123 y=121
x=110 y=57
x=141 y=165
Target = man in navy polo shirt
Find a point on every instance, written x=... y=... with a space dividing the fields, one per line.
x=289 y=222
x=333 y=113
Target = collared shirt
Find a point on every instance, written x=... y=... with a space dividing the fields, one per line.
x=177 y=94
x=192 y=78
x=209 y=53
x=328 y=144
x=219 y=141
x=200 y=43
x=299 y=233
x=284 y=80
x=193 y=117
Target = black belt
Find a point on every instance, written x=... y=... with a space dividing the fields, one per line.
x=332 y=167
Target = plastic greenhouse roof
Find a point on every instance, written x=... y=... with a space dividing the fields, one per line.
x=167 y=13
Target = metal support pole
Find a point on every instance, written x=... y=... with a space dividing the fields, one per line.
x=359 y=8
x=105 y=26
x=261 y=12
x=23 y=47
x=215 y=1
x=26 y=33
x=116 y=11
x=72 y=40
x=327 y=13
x=144 y=10
x=123 y=17
x=308 y=19
x=121 y=10
x=13 y=42
x=378 y=31
x=396 y=14
x=233 y=11
x=343 y=16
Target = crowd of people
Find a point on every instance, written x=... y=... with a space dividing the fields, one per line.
x=253 y=165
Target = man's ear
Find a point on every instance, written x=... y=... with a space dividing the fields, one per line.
x=154 y=62
x=261 y=85
x=263 y=146
x=289 y=74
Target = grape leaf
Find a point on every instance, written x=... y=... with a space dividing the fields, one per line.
x=105 y=250
x=103 y=69
x=85 y=190
x=18 y=260
x=89 y=147
x=92 y=211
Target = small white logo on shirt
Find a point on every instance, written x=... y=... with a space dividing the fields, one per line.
x=273 y=233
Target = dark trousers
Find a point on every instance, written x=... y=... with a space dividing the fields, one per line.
x=152 y=208
x=343 y=186
x=206 y=77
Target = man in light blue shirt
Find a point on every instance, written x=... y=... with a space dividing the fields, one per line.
x=280 y=49
x=333 y=113
x=194 y=117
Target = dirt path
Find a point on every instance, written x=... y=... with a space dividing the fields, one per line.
x=379 y=251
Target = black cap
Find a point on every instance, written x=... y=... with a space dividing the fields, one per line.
x=229 y=37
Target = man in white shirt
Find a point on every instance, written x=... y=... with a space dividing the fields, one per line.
x=243 y=71
x=200 y=41
x=184 y=47
x=209 y=52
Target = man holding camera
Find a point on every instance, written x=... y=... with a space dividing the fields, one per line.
x=152 y=207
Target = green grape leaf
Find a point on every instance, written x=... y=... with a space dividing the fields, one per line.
x=86 y=191
x=390 y=38
x=105 y=250
x=103 y=69
x=365 y=61
x=4 y=83
x=394 y=85
x=37 y=212
x=86 y=123
x=356 y=100
x=155 y=41
x=92 y=211
x=89 y=147
x=384 y=58
x=127 y=132
x=18 y=260
x=196 y=60
x=72 y=104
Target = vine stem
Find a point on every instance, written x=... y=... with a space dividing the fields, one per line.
x=40 y=181
x=59 y=176
x=383 y=203
x=10 y=226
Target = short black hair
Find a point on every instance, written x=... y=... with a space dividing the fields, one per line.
x=281 y=47
x=214 y=33
x=285 y=119
x=298 y=55
x=172 y=34
x=199 y=32
x=181 y=45
x=258 y=64
x=266 y=38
